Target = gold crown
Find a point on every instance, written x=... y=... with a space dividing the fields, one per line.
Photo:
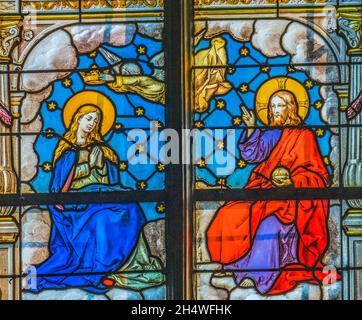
x=92 y=77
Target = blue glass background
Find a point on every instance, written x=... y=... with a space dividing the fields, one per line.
x=125 y=104
x=247 y=69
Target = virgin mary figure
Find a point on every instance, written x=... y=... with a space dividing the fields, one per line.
x=93 y=246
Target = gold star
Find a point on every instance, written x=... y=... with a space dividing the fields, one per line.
x=221 y=182
x=220 y=145
x=199 y=124
x=201 y=163
x=220 y=104
x=320 y=132
x=52 y=105
x=244 y=52
x=160 y=167
x=140 y=112
x=161 y=208
x=236 y=121
x=309 y=84
x=265 y=68
x=49 y=133
x=47 y=167
x=123 y=166
x=241 y=164
x=326 y=161
x=118 y=126
x=159 y=124
x=318 y=104
x=231 y=70
x=141 y=185
x=141 y=49
x=140 y=148
x=291 y=69
x=244 y=87
x=92 y=54
x=67 y=82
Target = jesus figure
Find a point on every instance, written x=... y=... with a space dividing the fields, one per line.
x=274 y=245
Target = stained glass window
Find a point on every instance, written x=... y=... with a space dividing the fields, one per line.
x=82 y=98
x=272 y=213
x=192 y=150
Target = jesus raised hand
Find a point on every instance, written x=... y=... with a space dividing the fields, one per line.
x=249 y=119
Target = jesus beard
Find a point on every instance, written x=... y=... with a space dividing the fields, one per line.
x=280 y=121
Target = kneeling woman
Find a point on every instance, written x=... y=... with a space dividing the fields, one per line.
x=93 y=246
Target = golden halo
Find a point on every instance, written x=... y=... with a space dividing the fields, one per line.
x=268 y=88
x=90 y=98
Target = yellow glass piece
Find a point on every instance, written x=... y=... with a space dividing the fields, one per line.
x=93 y=98
x=268 y=88
x=210 y=81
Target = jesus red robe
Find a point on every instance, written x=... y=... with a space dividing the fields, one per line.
x=231 y=233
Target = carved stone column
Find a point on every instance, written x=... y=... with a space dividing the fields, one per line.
x=350 y=24
x=9 y=31
x=350 y=27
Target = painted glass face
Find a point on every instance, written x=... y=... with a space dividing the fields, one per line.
x=88 y=122
x=279 y=109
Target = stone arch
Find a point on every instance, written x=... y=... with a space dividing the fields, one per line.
x=338 y=50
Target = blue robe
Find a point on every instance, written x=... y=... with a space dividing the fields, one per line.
x=87 y=241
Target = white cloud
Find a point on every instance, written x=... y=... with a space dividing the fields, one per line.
x=88 y=38
x=239 y=29
x=153 y=30
x=329 y=111
x=267 y=37
x=29 y=159
x=31 y=104
x=55 y=52
x=306 y=46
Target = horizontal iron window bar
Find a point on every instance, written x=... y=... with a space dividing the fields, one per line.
x=199 y=195
x=256 y=65
x=311 y=126
x=83 y=198
x=75 y=274
x=304 y=268
x=241 y=127
x=74 y=11
x=278 y=194
x=279 y=3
